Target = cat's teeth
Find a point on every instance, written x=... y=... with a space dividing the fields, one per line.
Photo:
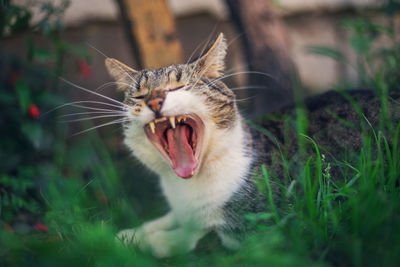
x=152 y=127
x=160 y=119
x=181 y=118
x=172 y=121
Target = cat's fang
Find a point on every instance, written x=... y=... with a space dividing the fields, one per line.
x=152 y=127
x=172 y=121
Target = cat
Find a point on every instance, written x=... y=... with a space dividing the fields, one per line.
x=185 y=126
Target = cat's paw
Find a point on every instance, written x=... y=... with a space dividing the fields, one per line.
x=164 y=244
x=133 y=237
x=156 y=243
x=161 y=245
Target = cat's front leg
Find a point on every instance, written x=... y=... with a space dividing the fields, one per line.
x=139 y=236
x=177 y=241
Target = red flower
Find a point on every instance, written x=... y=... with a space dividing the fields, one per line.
x=40 y=227
x=34 y=111
x=84 y=68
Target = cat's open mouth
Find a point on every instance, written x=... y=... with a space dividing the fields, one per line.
x=179 y=139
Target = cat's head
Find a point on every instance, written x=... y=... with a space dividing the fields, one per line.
x=180 y=109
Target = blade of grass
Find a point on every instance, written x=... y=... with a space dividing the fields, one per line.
x=270 y=195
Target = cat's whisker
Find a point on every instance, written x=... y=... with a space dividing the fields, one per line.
x=97 y=50
x=135 y=82
x=94 y=108
x=242 y=72
x=94 y=93
x=204 y=48
x=103 y=54
x=81 y=106
x=95 y=117
x=234 y=39
x=247 y=87
x=90 y=113
x=194 y=52
x=232 y=74
x=245 y=99
x=205 y=43
x=234 y=69
x=112 y=83
x=102 y=125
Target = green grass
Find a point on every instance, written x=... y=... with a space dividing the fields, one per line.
x=320 y=221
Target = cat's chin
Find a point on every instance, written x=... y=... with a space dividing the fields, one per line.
x=180 y=140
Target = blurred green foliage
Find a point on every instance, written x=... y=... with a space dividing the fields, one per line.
x=28 y=87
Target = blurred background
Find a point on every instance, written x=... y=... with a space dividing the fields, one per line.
x=286 y=27
x=278 y=50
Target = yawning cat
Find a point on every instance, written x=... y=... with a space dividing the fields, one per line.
x=185 y=126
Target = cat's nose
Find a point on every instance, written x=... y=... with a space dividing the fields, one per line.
x=155 y=104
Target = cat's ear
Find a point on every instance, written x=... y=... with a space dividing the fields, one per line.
x=121 y=73
x=211 y=63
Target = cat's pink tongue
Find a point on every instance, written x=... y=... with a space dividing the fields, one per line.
x=180 y=152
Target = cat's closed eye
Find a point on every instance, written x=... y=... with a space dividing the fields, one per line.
x=139 y=97
x=144 y=96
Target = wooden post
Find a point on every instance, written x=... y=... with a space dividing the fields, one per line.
x=264 y=40
x=152 y=32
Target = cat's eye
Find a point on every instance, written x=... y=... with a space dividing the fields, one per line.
x=139 y=97
x=177 y=88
